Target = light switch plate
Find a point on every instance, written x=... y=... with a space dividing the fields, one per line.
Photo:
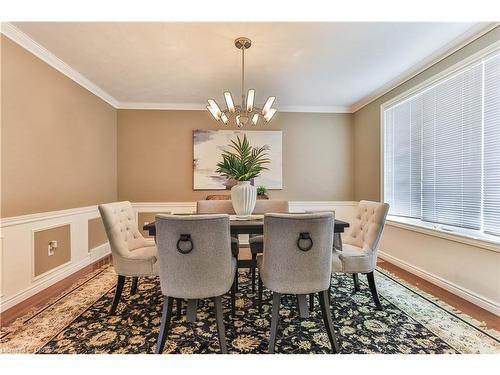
x=52 y=247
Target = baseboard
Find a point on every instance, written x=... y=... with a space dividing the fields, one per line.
x=464 y=293
x=94 y=256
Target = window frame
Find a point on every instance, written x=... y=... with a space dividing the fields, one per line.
x=471 y=237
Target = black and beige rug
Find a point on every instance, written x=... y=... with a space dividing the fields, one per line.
x=411 y=322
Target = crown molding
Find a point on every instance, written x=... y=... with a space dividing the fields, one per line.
x=45 y=55
x=316 y=109
x=163 y=106
x=442 y=53
x=41 y=52
x=203 y=107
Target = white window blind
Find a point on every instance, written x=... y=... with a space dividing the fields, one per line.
x=442 y=150
x=491 y=187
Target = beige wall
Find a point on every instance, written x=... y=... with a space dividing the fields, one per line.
x=155 y=155
x=367 y=121
x=96 y=234
x=58 y=139
x=472 y=272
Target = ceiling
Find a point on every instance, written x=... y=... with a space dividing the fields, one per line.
x=324 y=67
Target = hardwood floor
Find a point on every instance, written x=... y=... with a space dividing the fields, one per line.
x=490 y=320
x=39 y=299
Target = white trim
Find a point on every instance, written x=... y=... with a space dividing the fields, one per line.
x=42 y=53
x=466 y=294
x=203 y=107
x=24 y=219
x=190 y=207
x=1 y=267
x=319 y=205
x=447 y=50
x=25 y=41
x=163 y=106
x=174 y=207
x=316 y=108
x=471 y=59
x=455 y=237
x=53 y=278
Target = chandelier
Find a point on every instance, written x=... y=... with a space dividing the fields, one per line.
x=247 y=111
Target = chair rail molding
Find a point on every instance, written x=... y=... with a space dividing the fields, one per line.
x=17 y=252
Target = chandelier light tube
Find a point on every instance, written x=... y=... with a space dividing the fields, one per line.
x=247 y=111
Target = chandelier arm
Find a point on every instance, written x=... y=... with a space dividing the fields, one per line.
x=240 y=113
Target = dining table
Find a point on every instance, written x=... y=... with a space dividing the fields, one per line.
x=255 y=225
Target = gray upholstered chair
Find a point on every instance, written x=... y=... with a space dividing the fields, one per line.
x=133 y=255
x=195 y=262
x=297 y=260
x=361 y=243
x=257 y=241
x=219 y=207
x=222 y=207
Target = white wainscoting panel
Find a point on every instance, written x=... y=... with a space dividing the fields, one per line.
x=18 y=282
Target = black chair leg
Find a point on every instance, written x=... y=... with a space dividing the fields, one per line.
x=118 y=293
x=220 y=324
x=234 y=288
x=311 y=302
x=254 y=267
x=355 y=278
x=261 y=288
x=133 y=288
x=327 y=319
x=373 y=289
x=165 y=324
x=274 y=321
x=178 y=308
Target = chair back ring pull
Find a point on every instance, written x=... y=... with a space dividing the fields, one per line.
x=185 y=238
x=304 y=236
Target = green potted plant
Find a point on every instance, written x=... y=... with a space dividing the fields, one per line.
x=242 y=162
x=262 y=192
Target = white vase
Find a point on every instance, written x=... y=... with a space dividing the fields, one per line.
x=243 y=197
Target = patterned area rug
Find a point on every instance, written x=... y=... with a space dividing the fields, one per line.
x=411 y=322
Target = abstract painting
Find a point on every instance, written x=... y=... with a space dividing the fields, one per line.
x=209 y=144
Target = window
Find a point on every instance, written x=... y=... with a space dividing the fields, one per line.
x=442 y=150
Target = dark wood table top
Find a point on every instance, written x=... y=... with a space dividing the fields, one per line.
x=253 y=226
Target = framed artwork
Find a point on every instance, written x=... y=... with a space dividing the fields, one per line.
x=208 y=146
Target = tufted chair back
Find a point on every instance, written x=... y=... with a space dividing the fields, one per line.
x=215 y=207
x=264 y=206
x=121 y=228
x=286 y=268
x=195 y=255
x=367 y=226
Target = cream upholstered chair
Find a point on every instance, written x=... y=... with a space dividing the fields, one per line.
x=360 y=245
x=256 y=242
x=297 y=260
x=133 y=255
x=195 y=262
